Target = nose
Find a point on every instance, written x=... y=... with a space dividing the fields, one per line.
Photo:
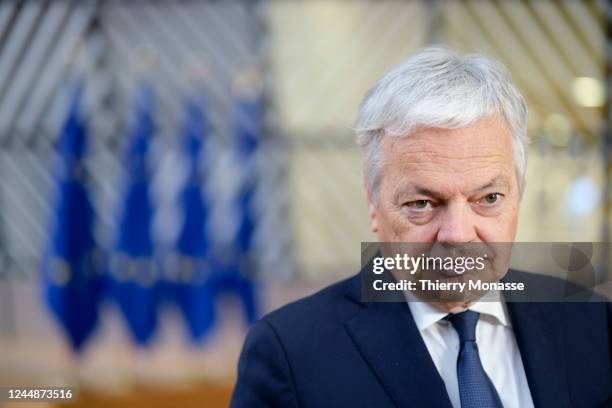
x=457 y=224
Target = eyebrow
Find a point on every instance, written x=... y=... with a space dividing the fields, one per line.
x=499 y=180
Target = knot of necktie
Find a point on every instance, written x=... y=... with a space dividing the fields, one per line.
x=464 y=324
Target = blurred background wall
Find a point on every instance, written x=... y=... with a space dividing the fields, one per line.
x=314 y=59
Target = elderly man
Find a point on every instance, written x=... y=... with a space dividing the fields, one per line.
x=444 y=139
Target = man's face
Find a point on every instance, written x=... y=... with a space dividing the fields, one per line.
x=448 y=186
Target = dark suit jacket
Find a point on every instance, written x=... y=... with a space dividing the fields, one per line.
x=332 y=350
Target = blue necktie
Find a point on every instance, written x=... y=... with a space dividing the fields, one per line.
x=475 y=387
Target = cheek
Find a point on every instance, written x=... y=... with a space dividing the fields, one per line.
x=513 y=222
x=501 y=228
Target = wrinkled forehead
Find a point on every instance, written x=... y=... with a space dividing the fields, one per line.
x=451 y=158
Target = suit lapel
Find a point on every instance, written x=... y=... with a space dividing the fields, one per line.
x=387 y=337
x=537 y=327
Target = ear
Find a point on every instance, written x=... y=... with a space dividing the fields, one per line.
x=372 y=211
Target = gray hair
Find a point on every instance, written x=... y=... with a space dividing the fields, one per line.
x=438 y=88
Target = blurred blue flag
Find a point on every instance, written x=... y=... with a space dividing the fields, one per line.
x=133 y=281
x=239 y=267
x=193 y=291
x=70 y=274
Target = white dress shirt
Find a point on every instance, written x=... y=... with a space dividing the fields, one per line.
x=497 y=348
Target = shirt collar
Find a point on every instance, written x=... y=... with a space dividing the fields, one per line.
x=425 y=314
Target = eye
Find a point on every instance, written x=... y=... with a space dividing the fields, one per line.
x=419 y=205
x=490 y=199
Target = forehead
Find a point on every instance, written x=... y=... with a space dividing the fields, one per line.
x=451 y=157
